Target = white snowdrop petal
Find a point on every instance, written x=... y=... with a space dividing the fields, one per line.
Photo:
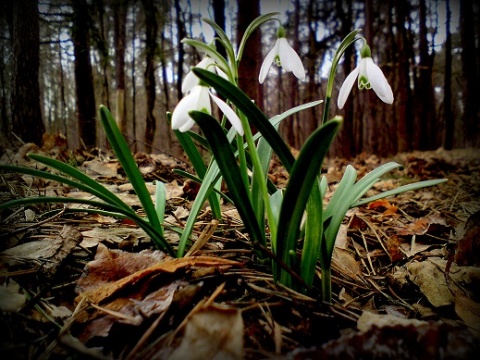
x=379 y=82
x=229 y=113
x=347 y=87
x=267 y=63
x=290 y=59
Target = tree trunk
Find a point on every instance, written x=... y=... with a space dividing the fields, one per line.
x=83 y=73
x=181 y=33
x=469 y=68
x=344 y=144
x=26 y=114
x=448 y=118
x=425 y=109
x=251 y=62
x=402 y=91
x=219 y=16
x=151 y=31
x=119 y=24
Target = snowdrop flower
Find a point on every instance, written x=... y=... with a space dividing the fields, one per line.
x=369 y=77
x=191 y=80
x=282 y=55
x=199 y=99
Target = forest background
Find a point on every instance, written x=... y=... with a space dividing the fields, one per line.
x=61 y=59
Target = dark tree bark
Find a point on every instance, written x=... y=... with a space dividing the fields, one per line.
x=83 y=74
x=289 y=127
x=425 y=109
x=250 y=64
x=344 y=145
x=26 y=114
x=119 y=27
x=181 y=51
x=402 y=90
x=151 y=31
x=101 y=42
x=219 y=16
x=448 y=118
x=469 y=68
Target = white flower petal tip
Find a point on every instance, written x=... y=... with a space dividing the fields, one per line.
x=285 y=56
x=369 y=76
x=191 y=80
x=229 y=113
x=197 y=99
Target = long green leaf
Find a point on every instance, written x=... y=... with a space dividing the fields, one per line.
x=400 y=189
x=231 y=173
x=302 y=178
x=84 y=182
x=156 y=237
x=251 y=111
x=313 y=236
x=120 y=146
x=199 y=166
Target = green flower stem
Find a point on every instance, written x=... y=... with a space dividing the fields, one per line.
x=259 y=177
x=347 y=41
x=243 y=163
x=326 y=283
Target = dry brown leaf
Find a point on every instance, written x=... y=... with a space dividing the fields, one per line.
x=212 y=333
x=383 y=206
x=393 y=247
x=344 y=262
x=53 y=250
x=469 y=311
x=369 y=319
x=97 y=294
x=431 y=281
x=101 y=168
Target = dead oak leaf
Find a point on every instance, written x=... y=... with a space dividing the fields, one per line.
x=212 y=333
x=168 y=265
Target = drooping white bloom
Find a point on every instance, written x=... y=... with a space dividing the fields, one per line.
x=282 y=55
x=191 y=80
x=370 y=76
x=199 y=99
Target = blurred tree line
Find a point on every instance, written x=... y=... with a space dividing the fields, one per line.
x=63 y=58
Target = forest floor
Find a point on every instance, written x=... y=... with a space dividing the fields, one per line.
x=406 y=272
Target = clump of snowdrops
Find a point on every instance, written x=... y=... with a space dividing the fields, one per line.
x=301 y=225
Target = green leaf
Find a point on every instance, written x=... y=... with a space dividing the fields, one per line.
x=224 y=40
x=251 y=28
x=151 y=231
x=160 y=201
x=211 y=52
x=230 y=171
x=400 y=189
x=120 y=146
x=303 y=176
x=313 y=236
x=84 y=182
x=196 y=159
x=251 y=111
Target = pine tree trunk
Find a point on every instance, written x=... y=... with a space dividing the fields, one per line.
x=26 y=114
